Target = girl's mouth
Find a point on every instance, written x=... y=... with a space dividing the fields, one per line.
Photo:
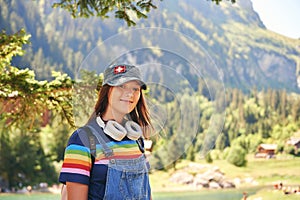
x=127 y=101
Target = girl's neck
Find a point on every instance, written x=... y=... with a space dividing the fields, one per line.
x=112 y=116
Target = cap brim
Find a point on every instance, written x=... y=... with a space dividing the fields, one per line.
x=125 y=80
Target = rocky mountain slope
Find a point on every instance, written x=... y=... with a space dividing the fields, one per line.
x=246 y=54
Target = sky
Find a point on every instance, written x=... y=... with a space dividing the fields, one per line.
x=280 y=16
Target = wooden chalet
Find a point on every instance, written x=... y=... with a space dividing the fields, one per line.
x=294 y=141
x=266 y=151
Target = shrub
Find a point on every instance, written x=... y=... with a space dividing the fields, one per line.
x=237 y=156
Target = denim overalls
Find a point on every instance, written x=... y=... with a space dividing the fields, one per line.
x=126 y=179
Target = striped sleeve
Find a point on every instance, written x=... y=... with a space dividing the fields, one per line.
x=77 y=162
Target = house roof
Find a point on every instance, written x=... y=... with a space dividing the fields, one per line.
x=293 y=141
x=268 y=146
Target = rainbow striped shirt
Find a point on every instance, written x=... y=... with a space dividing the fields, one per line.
x=77 y=164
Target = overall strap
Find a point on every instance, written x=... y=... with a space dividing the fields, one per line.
x=106 y=150
x=141 y=144
x=92 y=140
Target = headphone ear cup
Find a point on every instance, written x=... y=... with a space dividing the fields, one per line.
x=134 y=131
x=115 y=130
x=100 y=122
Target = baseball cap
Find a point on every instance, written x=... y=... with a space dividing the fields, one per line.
x=119 y=74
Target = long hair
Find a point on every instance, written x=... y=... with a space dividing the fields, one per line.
x=139 y=115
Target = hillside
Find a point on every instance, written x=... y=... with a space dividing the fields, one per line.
x=231 y=35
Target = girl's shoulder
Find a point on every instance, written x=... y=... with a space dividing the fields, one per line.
x=80 y=137
x=75 y=137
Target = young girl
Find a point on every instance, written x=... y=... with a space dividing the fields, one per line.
x=121 y=119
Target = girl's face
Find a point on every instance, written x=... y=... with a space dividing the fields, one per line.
x=123 y=99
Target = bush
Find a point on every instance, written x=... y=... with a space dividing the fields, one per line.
x=208 y=158
x=215 y=154
x=237 y=156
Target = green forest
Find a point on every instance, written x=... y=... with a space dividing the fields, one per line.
x=37 y=79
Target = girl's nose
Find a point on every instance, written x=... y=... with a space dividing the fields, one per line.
x=129 y=92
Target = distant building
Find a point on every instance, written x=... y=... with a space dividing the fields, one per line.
x=266 y=151
x=294 y=141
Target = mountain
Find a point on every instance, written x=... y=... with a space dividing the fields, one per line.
x=226 y=42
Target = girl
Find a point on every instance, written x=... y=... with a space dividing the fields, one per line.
x=119 y=169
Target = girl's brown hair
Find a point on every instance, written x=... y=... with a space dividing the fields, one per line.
x=139 y=115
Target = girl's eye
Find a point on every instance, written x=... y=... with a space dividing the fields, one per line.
x=136 y=89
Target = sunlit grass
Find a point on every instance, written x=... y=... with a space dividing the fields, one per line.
x=271 y=194
x=32 y=196
x=264 y=173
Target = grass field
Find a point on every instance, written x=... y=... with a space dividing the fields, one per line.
x=29 y=197
x=268 y=194
x=264 y=173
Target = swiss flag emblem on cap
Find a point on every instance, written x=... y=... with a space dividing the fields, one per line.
x=119 y=69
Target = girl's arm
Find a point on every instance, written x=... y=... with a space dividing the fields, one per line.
x=76 y=191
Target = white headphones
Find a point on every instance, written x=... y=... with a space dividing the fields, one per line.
x=115 y=130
